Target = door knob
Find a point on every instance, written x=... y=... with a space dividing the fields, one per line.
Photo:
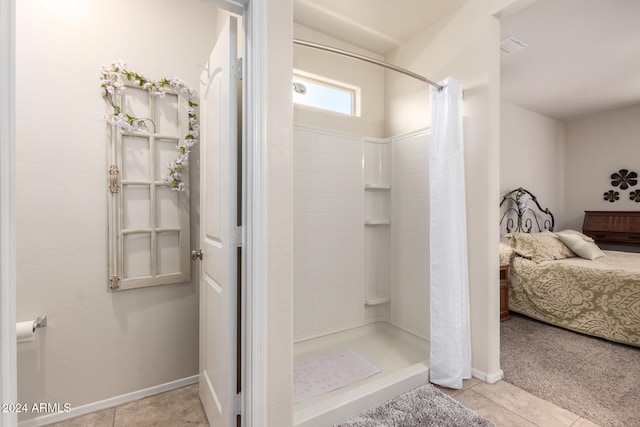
x=196 y=255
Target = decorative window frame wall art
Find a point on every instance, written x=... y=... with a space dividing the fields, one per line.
x=623 y=179
x=152 y=126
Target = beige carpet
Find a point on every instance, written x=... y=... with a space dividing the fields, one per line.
x=596 y=379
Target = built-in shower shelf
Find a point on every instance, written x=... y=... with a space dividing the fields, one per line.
x=376 y=187
x=376 y=300
x=377 y=221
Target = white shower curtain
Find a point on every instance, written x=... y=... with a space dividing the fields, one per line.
x=450 y=358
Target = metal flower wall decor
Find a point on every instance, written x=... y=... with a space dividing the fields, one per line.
x=611 y=196
x=623 y=179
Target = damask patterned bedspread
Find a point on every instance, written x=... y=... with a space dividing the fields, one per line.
x=596 y=297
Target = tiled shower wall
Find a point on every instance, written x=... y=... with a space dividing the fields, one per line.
x=333 y=270
x=328 y=232
x=410 y=233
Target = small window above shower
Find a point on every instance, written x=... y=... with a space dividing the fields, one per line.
x=319 y=92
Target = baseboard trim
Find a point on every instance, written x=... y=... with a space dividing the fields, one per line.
x=108 y=403
x=489 y=378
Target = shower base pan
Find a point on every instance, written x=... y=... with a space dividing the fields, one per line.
x=401 y=356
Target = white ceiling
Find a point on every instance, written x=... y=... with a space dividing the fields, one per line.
x=376 y=25
x=583 y=56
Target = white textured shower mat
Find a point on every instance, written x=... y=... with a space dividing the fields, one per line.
x=318 y=376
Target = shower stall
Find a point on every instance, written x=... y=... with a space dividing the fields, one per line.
x=361 y=260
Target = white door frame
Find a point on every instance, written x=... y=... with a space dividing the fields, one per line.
x=254 y=298
x=8 y=357
x=253 y=358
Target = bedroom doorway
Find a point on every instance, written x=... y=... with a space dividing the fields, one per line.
x=553 y=125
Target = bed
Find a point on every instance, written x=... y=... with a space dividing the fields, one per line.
x=563 y=278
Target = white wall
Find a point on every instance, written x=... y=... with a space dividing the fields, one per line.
x=410 y=233
x=328 y=236
x=598 y=146
x=337 y=263
x=8 y=357
x=464 y=45
x=97 y=344
x=278 y=181
x=532 y=156
x=368 y=77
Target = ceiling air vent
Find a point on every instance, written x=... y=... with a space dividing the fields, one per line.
x=511 y=45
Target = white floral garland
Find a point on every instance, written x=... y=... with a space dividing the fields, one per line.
x=111 y=84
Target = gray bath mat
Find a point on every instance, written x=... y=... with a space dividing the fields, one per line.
x=424 y=406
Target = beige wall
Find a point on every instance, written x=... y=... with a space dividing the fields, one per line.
x=598 y=146
x=98 y=344
x=532 y=156
x=279 y=211
x=369 y=78
x=464 y=45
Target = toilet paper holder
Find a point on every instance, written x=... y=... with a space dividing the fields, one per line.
x=25 y=331
x=41 y=321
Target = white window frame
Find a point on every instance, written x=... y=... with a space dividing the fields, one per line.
x=117 y=232
x=333 y=84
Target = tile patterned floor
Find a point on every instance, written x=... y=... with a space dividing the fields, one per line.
x=509 y=406
x=502 y=403
x=180 y=407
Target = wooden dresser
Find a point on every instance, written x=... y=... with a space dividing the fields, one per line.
x=504 y=292
x=613 y=227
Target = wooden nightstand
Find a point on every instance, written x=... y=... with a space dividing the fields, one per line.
x=504 y=292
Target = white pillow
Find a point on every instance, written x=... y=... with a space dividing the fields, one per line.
x=506 y=254
x=581 y=245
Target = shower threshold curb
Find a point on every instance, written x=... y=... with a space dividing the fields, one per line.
x=373 y=392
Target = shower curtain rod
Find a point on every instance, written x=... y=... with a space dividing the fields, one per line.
x=366 y=59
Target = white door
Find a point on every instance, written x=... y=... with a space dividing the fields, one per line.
x=218 y=218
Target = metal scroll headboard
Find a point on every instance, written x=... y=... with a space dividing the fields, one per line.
x=519 y=213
